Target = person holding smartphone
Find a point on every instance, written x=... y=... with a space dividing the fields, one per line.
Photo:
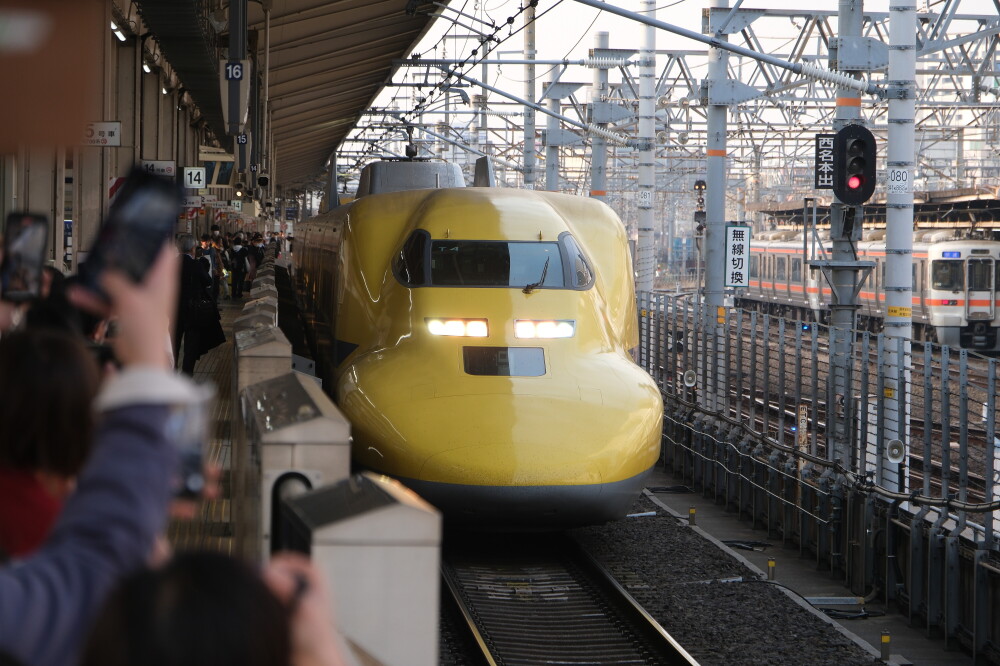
x=108 y=526
x=22 y=256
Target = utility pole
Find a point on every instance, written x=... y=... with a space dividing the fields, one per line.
x=529 y=93
x=715 y=209
x=645 y=262
x=598 y=144
x=900 y=151
x=551 y=143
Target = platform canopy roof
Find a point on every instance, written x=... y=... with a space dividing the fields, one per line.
x=328 y=61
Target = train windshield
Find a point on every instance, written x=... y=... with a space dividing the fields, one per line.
x=980 y=275
x=496 y=264
x=947 y=275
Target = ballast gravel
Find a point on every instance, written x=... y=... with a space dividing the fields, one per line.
x=677 y=576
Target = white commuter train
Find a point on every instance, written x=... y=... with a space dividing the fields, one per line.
x=955 y=284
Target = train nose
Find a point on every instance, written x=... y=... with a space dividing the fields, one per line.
x=530 y=440
x=507 y=440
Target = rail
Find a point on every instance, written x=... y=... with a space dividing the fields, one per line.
x=545 y=601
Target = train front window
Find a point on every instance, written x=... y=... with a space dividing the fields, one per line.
x=980 y=275
x=496 y=264
x=409 y=264
x=946 y=274
x=580 y=274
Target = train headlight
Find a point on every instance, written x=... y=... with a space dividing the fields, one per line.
x=469 y=328
x=529 y=328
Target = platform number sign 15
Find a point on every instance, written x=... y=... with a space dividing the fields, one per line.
x=194 y=177
x=234 y=71
x=242 y=138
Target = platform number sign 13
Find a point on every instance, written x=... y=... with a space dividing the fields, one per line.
x=194 y=177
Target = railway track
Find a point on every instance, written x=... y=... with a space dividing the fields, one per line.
x=542 y=600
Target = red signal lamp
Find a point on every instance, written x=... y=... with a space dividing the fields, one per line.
x=855 y=182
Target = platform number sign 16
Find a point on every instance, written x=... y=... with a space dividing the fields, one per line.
x=234 y=71
x=194 y=177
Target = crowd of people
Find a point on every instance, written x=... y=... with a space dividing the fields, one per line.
x=90 y=408
x=218 y=268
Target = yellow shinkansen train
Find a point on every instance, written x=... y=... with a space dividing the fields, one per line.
x=954 y=282
x=481 y=345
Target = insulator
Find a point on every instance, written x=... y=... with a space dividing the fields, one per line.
x=604 y=63
x=836 y=78
x=608 y=134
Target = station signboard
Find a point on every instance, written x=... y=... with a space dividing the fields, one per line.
x=106 y=134
x=194 y=177
x=159 y=167
x=824 y=162
x=737 y=267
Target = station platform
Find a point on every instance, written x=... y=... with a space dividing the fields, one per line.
x=909 y=645
x=211 y=528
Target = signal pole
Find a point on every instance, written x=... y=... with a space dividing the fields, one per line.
x=842 y=271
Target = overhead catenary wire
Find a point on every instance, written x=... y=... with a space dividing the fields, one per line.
x=442 y=85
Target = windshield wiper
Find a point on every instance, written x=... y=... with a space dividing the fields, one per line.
x=528 y=288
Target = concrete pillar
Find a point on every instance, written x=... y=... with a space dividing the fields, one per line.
x=149 y=100
x=93 y=166
x=126 y=103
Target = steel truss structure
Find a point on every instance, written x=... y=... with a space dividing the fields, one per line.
x=774 y=113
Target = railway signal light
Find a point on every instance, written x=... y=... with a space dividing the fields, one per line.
x=854 y=165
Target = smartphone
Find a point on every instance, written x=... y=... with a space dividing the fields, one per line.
x=188 y=428
x=25 y=241
x=142 y=218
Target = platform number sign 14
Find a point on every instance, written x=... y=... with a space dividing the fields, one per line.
x=194 y=177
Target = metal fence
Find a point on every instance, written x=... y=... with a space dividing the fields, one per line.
x=750 y=411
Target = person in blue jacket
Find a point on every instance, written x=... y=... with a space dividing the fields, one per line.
x=108 y=525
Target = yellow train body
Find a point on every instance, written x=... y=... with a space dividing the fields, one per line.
x=495 y=428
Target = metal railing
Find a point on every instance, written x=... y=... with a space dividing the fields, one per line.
x=749 y=411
